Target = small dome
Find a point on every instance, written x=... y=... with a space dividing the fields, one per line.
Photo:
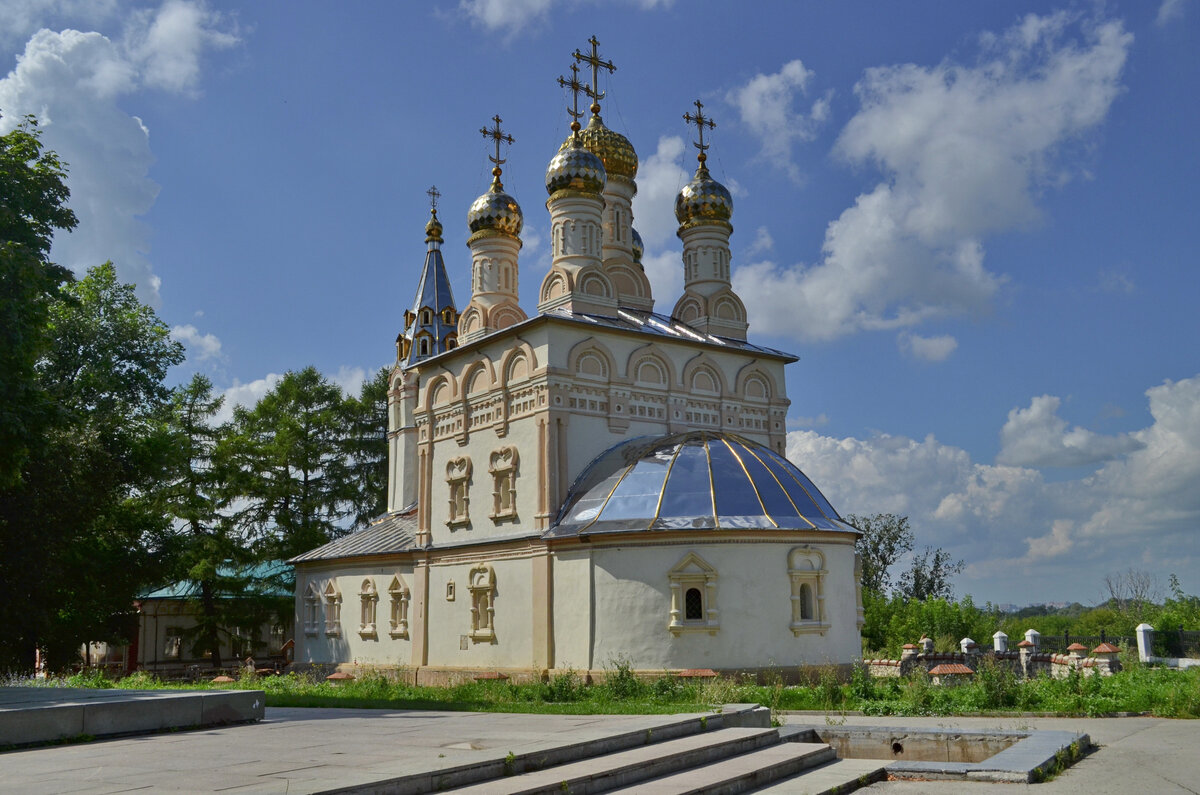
x=496 y=210
x=433 y=229
x=703 y=198
x=639 y=248
x=610 y=146
x=575 y=168
x=668 y=483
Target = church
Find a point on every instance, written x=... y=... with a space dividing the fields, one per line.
x=593 y=482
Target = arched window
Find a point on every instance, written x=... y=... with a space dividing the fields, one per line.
x=693 y=584
x=312 y=610
x=806 y=568
x=426 y=317
x=693 y=605
x=806 y=602
x=399 y=613
x=333 y=610
x=423 y=346
x=369 y=599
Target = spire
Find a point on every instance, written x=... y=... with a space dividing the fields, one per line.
x=430 y=326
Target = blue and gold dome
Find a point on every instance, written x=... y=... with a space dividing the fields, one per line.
x=496 y=211
x=639 y=248
x=575 y=168
x=698 y=480
x=703 y=199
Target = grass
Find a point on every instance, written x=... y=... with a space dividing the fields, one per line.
x=1137 y=689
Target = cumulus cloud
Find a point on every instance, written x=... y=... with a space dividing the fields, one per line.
x=1169 y=11
x=767 y=104
x=514 y=16
x=72 y=81
x=1113 y=281
x=23 y=17
x=1038 y=437
x=763 y=242
x=930 y=349
x=246 y=395
x=203 y=346
x=1005 y=519
x=350 y=379
x=964 y=151
x=660 y=177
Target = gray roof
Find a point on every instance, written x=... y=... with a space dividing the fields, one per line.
x=389 y=534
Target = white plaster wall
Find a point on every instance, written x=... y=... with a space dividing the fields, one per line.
x=449 y=621
x=349 y=645
x=572 y=573
x=632 y=607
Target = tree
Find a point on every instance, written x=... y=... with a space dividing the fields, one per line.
x=33 y=197
x=885 y=538
x=366 y=447
x=286 y=461
x=81 y=534
x=929 y=576
x=1132 y=591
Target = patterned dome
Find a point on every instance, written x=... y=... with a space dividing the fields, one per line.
x=639 y=248
x=433 y=229
x=575 y=168
x=610 y=146
x=670 y=483
x=496 y=210
x=703 y=198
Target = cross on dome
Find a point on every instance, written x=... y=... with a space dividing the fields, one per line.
x=498 y=136
x=701 y=121
x=593 y=60
x=433 y=195
x=575 y=87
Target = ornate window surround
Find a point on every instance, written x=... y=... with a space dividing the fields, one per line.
x=692 y=571
x=369 y=599
x=398 y=622
x=312 y=610
x=458 y=478
x=503 y=468
x=481 y=582
x=806 y=569
x=333 y=609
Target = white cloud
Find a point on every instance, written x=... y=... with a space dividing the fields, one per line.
x=350 y=379
x=246 y=395
x=767 y=105
x=1008 y=521
x=1113 y=281
x=513 y=16
x=1169 y=11
x=665 y=272
x=660 y=177
x=23 y=17
x=964 y=152
x=808 y=422
x=763 y=242
x=930 y=349
x=204 y=346
x=1038 y=437
x=72 y=82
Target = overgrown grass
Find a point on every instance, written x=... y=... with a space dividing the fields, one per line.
x=1137 y=689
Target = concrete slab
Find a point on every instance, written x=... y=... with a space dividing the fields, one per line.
x=31 y=715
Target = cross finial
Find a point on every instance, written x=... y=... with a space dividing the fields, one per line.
x=433 y=195
x=701 y=121
x=498 y=136
x=593 y=60
x=575 y=87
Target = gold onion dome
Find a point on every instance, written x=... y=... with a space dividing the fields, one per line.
x=433 y=229
x=703 y=199
x=496 y=211
x=575 y=168
x=639 y=248
x=614 y=149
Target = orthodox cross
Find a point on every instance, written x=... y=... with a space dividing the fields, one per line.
x=433 y=195
x=701 y=121
x=497 y=135
x=575 y=87
x=593 y=60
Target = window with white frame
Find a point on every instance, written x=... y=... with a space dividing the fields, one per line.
x=399 y=593
x=368 y=600
x=333 y=610
x=312 y=610
x=806 y=569
x=173 y=645
x=503 y=468
x=693 y=584
x=481 y=582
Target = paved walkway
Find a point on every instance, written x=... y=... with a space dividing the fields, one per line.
x=308 y=750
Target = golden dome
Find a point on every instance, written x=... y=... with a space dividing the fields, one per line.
x=433 y=229
x=610 y=146
x=496 y=210
x=575 y=168
x=703 y=199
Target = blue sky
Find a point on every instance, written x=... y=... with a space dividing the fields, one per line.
x=974 y=222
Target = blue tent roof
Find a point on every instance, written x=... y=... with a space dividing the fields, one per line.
x=433 y=297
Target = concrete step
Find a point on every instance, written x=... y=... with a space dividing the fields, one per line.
x=743 y=773
x=627 y=768
x=840 y=777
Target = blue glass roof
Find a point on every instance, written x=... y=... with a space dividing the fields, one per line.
x=698 y=480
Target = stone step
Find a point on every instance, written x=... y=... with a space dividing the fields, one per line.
x=744 y=773
x=626 y=768
x=840 y=777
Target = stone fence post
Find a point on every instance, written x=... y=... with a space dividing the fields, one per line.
x=1145 y=639
x=1034 y=637
x=1000 y=641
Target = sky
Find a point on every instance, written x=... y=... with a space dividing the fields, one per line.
x=974 y=222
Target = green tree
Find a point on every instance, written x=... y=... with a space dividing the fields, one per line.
x=885 y=538
x=929 y=575
x=366 y=448
x=81 y=533
x=33 y=197
x=286 y=461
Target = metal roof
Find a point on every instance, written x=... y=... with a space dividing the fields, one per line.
x=697 y=480
x=391 y=533
x=433 y=294
x=265 y=577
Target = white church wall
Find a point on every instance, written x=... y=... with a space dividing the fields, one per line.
x=455 y=641
x=349 y=640
x=753 y=608
x=573 y=609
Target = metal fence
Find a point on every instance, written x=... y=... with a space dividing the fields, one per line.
x=1059 y=643
x=1176 y=643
